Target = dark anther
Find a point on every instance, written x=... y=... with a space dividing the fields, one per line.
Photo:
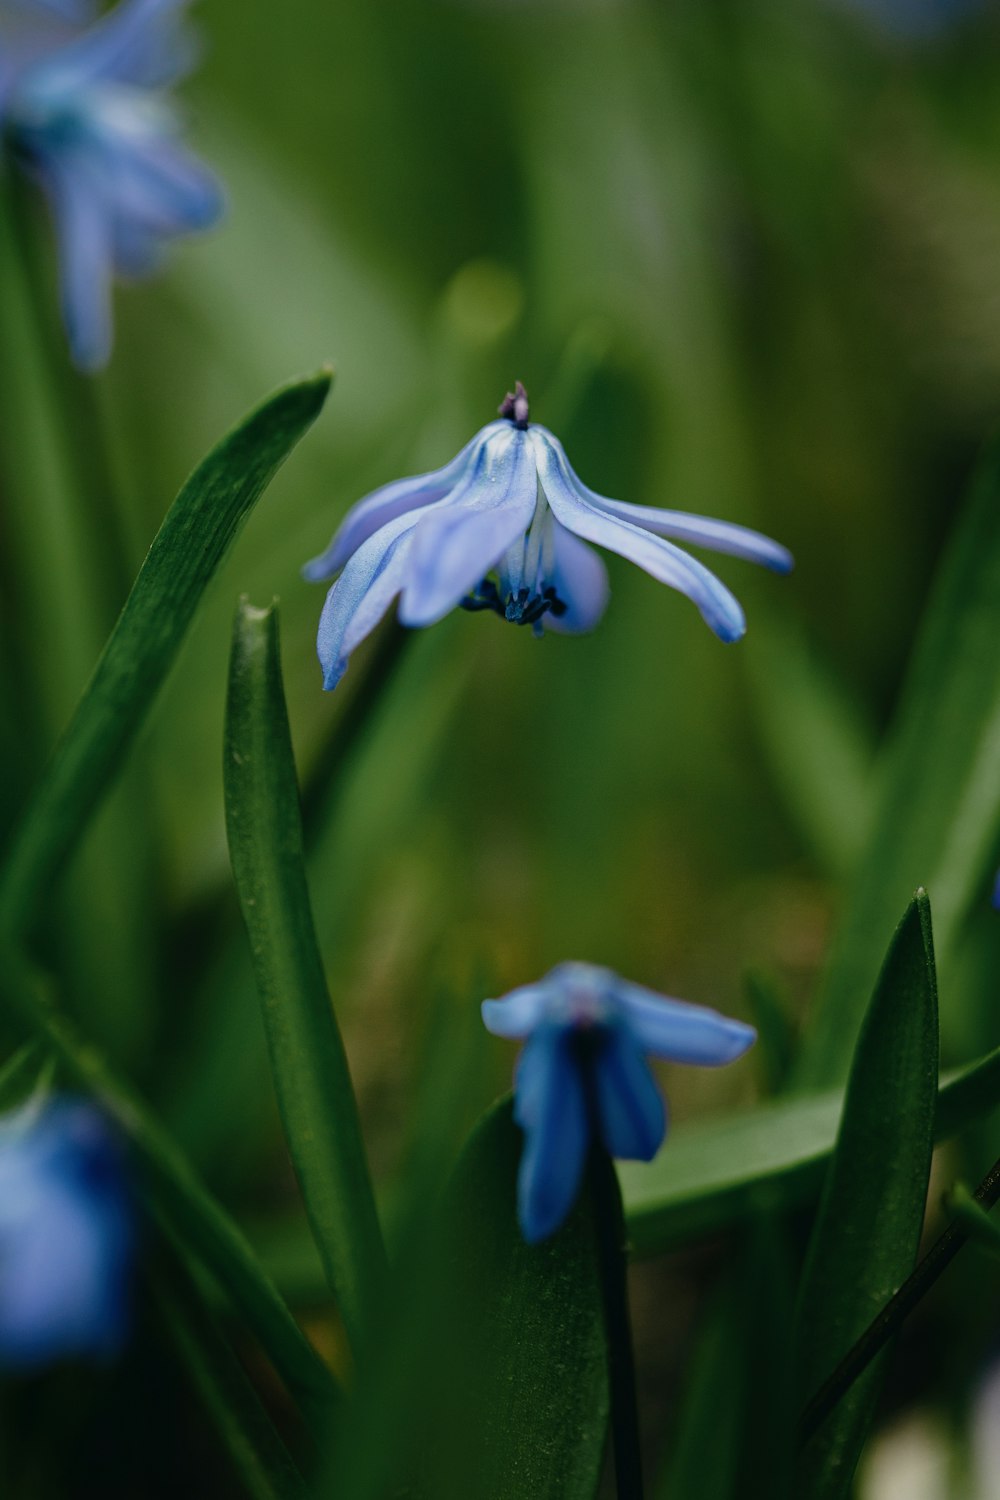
x=515 y=406
x=487 y=596
x=556 y=605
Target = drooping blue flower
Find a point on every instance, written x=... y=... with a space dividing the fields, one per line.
x=583 y=1075
x=83 y=109
x=510 y=505
x=66 y=1235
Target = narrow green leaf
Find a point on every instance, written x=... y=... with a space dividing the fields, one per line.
x=19 y=1074
x=715 y=1173
x=820 y=749
x=311 y=1075
x=258 y=1453
x=525 y=1407
x=867 y=1230
x=175 y=1192
x=974 y=1219
x=939 y=804
x=198 y=530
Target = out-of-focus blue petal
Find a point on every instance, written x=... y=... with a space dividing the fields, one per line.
x=66 y=1236
x=681 y=1032
x=580 y=579
x=632 y=1114
x=996 y=891
x=85 y=256
x=141 y=42
x=454 y=548
x=390 y=501
x=517 y=1014
x=551 y=1110
x=665 y=562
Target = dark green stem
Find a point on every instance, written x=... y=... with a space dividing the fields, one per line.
x=321 y=787
x=612 y=1261
x=79 y=408
x=896 y=1310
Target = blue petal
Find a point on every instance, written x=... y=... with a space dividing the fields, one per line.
x=580 y=579
x=371 y=580
x=85 y=260
x=391 y=500
x=142 y=42
x=718 y=607
x=65 y=1235
x=629 y=1104
x=456 y=546
x=517 y=1014
x=154 y=182
x=996 y=891
x=720 y=536
x=681 y=1032
x=552 y=1112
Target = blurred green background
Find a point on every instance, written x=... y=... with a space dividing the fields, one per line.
x=745 y=256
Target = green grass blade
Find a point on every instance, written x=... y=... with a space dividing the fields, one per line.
x=867 y=1230
x=258 y=1453
x=197 y=532
x=936 y=819
x=713 y=1174
x=311 y=1075
x=176 y=1192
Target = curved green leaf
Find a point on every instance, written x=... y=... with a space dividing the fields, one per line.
x=936 y=817
x=198 y=530
x=528 y=1381
x=711 y=1174
x=311 y=1075
x=867 y=1230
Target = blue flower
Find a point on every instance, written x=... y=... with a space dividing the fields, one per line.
x=84 y=111
x=915 y=18
x=583 y=1075
x=66 y=1235
x=510 y=504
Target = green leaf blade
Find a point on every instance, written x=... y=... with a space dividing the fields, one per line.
x=195 y=536
x=867 y=1230
x=309 y=1066
x=714 y=1173
x=529 y=1379
x=937 y=813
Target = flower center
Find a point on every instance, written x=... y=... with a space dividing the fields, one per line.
x=514 y=406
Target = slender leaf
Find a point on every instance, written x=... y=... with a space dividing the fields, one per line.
x=711 y=1174
x=19 y=1074
x=939 y=804
x=310 y=1069
x=975 y=1220
x=176 y=1192
x=198 y=530
x=820 y=750
x=191 y=543
x=867 y=1230
x=258 y=1453
x=525 y=1407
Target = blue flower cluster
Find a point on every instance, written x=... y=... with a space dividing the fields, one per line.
x=84 y=111
x=583 y=1077
x=510 y=504
x=66 y=1235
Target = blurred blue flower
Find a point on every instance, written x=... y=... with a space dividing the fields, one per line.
x=914 y=18
x=510 y=504
x=83 y=109
x=66 y=1235
x=996 y=891
x=583 y=1075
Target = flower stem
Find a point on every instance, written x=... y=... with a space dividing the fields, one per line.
x=900 y=1305
x=611 y=1248
x=321 y=787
